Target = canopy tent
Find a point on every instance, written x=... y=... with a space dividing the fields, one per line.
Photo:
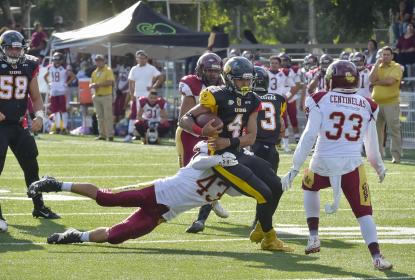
x=138 y=27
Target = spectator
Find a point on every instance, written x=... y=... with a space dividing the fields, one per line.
x=121 y=100
x=405 y=48
x=102 y=81
x=37 y=37
x=402 y=18
x=370 y=53
x=385 y=77
x=142 y=79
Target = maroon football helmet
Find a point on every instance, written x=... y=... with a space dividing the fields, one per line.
x=310 y=61
x=359 y=59
x=344 y=55
x=209 y=68
x=285 y=60
x=325 y=61
x=342 y=76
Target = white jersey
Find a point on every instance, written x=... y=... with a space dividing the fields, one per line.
x=193 y=186
x=58 y=77
x=191 y=85
x=364 y=83
x=152 y=113
x=340 y=122
x=279 y=83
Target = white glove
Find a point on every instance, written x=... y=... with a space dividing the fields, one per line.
x=288 y=179
x=382 y=175
x=227 y=159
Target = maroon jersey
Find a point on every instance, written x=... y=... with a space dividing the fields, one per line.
x=14 y=88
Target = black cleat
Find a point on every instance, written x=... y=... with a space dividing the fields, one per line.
x=45 y=212
x=69 y=236
x=196 y=227
x=46 y=184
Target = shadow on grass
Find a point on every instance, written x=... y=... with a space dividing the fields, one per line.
x=278 y=261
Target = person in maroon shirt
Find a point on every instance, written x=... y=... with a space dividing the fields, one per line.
x=406 y=46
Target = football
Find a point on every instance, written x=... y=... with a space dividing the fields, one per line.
x=203 y=119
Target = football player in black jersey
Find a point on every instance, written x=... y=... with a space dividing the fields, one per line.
x=18 y=79
x=269 y=120
x=237 y=106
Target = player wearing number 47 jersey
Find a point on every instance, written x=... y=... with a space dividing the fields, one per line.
x=18 y=77
x=237 y=106
x=341 y=121
x=164 y=199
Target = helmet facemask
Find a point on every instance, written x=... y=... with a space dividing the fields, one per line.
x=13 y=54
x=242 y=90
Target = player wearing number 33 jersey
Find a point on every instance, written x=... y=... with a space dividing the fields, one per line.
x=341 y=121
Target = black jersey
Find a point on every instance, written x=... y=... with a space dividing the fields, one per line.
x=269 y=121
x=14 y=88
x=233 y=109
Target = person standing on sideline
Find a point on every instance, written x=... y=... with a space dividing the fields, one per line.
x=102 y=81
x=385 y=78
x=142 y=79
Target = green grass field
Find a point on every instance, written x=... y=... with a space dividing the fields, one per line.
x=222 y=251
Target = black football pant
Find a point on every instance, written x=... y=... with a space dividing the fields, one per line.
x=255 y=177
x=24 y=147
x=267 y=152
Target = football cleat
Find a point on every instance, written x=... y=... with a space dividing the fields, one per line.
x=45 y=212
x=3 y=225
x=69 y=236
x=219 y=210
x=381 y=263
x=46 y=184
x=257 y=234
x=313 y=245
x=196 y=227
x=128 y=138
x=272 y=243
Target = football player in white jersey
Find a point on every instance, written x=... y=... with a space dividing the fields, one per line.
x=59 y=77
x=162 y=200
x=359 y=59
x=340 y=121
x=318 y=82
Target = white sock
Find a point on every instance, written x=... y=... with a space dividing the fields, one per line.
x=368 y=229
x=57 y=120
x=85 y=236
x=285 y=141
x=65 y=120
x=131 y=126
x=312 y=204
x=67 y=186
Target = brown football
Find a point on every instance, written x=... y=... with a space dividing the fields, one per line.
x=203 y=119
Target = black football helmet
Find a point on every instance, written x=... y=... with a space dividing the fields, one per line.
x=359 y=59
x=310 y=61
x=238 y=67
x=261 y=80
x=206 y=62
x=342 y=76
x=285 y=60
x=325 y=61
x=344 y=55
x=12 y=47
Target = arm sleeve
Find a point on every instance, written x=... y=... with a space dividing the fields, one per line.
x=202 y=162
x=370 y=139
x=308 y=138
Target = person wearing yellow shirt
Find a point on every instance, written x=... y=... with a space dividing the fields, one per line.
x=102 y=81
x=385 y=77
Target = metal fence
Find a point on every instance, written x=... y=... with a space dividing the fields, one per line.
x=407 y=118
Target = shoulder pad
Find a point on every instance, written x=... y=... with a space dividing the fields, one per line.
x=318 y=96
x=31 y=58
x=142 y=101
x=207 y=99
x=373 y=104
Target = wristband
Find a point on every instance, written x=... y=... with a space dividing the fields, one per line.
x=234 y=142
x=40 y=114
x=197 y=129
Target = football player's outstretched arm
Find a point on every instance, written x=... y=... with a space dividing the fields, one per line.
x=371 y=142
x=37 y=105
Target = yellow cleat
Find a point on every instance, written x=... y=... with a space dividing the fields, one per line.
x=256 y=234
x=272 y=243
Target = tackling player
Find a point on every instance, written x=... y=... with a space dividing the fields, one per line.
x=18 y=78
x=340 y=120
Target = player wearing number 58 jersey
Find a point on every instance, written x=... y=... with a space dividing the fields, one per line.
x=237 y=106
x=341 y=121
x=18 y=79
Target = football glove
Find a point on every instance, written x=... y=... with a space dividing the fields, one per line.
x=288 y=179
x=228 y=159
x=382 y=175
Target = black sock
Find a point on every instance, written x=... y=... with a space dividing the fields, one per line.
x=38 y=201
x=204 y=212
x=1 y=214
